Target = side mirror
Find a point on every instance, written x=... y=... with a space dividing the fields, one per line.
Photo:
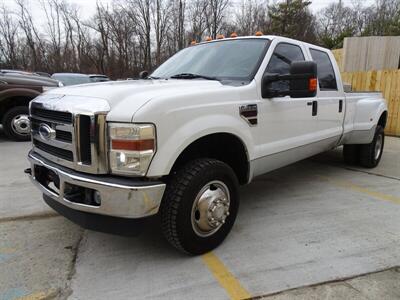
x=302 y=81
x=143 y=75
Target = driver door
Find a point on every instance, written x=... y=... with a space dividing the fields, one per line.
x=286 y=125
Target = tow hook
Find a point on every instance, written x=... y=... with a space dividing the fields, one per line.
x=28 y=171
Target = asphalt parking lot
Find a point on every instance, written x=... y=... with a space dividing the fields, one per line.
x=316 y=229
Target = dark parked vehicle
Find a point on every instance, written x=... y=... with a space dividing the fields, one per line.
x=45 y=74
x=98 y=78
x=22 y=72
x=71 y=78
x=17 y=89
x=78 y=78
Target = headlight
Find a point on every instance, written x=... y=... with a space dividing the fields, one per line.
x=132 y=147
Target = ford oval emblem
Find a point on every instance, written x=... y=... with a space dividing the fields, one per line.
x=46 y=132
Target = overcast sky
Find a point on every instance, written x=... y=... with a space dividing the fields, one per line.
x=88 y=6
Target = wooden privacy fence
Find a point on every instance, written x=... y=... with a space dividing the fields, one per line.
x=385 y=81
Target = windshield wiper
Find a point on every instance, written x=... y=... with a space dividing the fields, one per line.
x=193 y=76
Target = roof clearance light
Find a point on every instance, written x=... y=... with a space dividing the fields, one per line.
x=220 y=37
x=259 y=33
x=208 y=39
x=193 y=43
x=234 y=35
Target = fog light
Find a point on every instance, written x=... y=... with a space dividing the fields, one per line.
x=97 y=197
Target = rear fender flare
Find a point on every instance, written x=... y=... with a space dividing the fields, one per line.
x=368 y=113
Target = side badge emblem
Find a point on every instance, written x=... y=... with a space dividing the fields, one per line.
x=249 y=113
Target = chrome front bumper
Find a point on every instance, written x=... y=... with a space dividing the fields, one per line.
x=120 y=197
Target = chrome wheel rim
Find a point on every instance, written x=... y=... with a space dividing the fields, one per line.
x=378 y=146
x=21 y=125
x=210 y=208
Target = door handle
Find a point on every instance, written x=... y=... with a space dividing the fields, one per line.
x=314 y=107
x=340 y=106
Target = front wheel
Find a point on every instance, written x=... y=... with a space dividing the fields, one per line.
x=16 y=124
x=200 y=206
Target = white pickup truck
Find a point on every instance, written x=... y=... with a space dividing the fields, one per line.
x=177 y=144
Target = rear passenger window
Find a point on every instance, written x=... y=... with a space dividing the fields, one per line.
x=326 y=74
x=284 y=54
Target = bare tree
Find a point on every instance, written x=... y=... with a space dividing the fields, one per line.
x=384 y=18
x=216 y=12
x=139 y=12
x=251 y=16
x=161 y=14
x=336 y=22
x=8 y=39
x=198 y=21
x=31 y=33
x=128 y=36
x=52 y=11
x=177 y=20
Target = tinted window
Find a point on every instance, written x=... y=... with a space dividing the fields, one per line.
x=326 y=74
x=71 y=79
x=284 y=54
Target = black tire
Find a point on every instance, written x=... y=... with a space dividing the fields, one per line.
x=178 y=204
x=8 y=125
x=370 y=154
x=351 y=154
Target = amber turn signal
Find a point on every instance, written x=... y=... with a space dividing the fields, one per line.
x=132 y=145
x=312 y=84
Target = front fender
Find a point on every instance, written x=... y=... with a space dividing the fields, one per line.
x=175 y=142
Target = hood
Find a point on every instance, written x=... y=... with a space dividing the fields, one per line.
x=126 y=97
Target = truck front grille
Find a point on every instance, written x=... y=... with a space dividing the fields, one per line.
x=73 y=140
x=52 y=115
x=61 y=135
x=64 y=136
x=58 y=152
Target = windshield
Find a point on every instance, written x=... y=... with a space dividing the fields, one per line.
x=226 y=59
x=71 y=79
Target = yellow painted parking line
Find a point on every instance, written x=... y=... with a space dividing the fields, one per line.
x=224 y=277
x=7 y=250
x=37 y=296
x=351 y=186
